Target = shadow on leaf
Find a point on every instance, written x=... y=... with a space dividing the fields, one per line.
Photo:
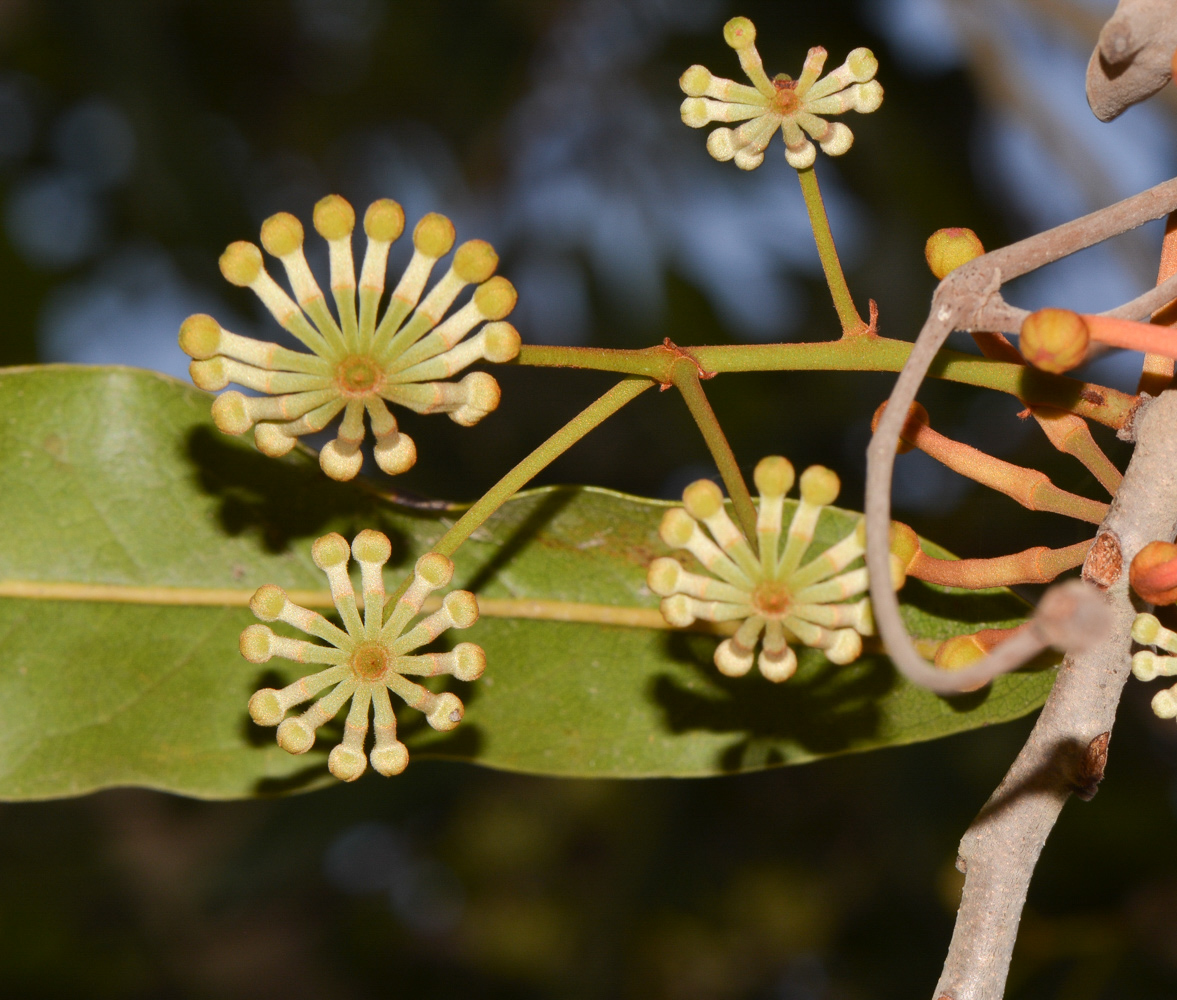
x=280 y=500
x=823 y=709
x=549 y=505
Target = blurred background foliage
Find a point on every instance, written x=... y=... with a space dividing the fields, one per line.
x=137 y=139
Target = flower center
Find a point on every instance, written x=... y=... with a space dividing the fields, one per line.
x=369 y=661
x=358 y=375
x=771 y=599
x=787 y=100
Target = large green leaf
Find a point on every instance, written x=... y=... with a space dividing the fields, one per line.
x=116 y=477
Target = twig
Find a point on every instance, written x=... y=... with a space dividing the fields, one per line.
x=969 y=299
x=1067 y=749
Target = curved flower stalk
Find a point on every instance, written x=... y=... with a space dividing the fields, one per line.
x=367 y=660
x=357 y=363
x=772 y=594
x=793 y=106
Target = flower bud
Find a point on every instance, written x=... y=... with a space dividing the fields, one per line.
x=1153 y=573
x=1054 y=340
x=948 y=249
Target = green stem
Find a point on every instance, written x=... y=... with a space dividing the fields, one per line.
x=880 y=354
x=544 y=455
x=848 y=315
x=686 y=380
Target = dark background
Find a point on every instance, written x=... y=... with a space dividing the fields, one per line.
x=137 y=139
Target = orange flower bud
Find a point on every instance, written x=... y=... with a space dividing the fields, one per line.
x=948 y=249
x=1153 y=573
x=1054 y=340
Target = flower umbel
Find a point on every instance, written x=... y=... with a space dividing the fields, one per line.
x=1147 y=665
x=367 y=660
x=772 y=593
x=357 y=363
x=793 y=106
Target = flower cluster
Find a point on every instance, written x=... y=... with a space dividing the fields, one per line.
x=362 y=359
x=793 y=106
x=771 y=593
x=1147 y=665
x=367 y=660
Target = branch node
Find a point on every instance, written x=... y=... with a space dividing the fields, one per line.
x=1089 y=770
x=1105 y=561
x=682 y=352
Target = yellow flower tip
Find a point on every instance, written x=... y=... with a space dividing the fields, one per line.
x=469 y=661
x=694 y=82
x=948 y=249
x=396 y=454
x=346 y=764
x=862 y=65
x=390 y=760
x=870 y=97
x=295 y=736
x=384 y=221
x=1145 y=665
x=267 y=602
x=780 y=667
x=200 y=336
x=774 y=476
x=272 y=440
x=330 y=550
x=210 y=375
x=959 y=652
x=733 y=661
x=1164 y=704
x=495 y=298
x=739 y=33
x=434 y=235
x=819 y=485
x=721 y=144
x=230 y=413
x=847 y=647
x=1145 y=629
x=462 y=607
x=1054 y=340
x=702 y=499
x=241 y=263
x=676 y=528
x=265 y=708
x=341 y=462
x=447 y=712
x=371 y=546
x=905 y=543
x=435 y=569
x=282 y=234
x=917 y=417
x=501 y=342
x=482 y=397
x=693 y=112
x=255 y=643
x=663 y=576
x=475 y=261
x=676 y=609
x=334 y=218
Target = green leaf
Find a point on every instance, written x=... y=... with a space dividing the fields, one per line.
x=116 y=477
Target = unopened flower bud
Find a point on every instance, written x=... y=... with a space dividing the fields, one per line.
x=1153 y=573
x=1054 y=340
x=948 y=249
